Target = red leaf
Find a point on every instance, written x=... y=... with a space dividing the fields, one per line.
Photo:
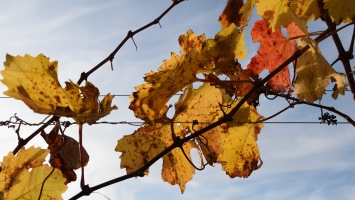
x=274 y=50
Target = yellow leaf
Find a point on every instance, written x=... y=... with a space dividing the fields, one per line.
x=241 y=154
x=182 y=103
x=146 y=143
x=176 y=168
x=341 y=10
x=202 y=106
x=212 y=143
x=17 y=181
x=237 y=12
x=30 y=184
x=314 y=74
x=34 y=81
x=198 y=56
x=230 y=45
x=143 y=145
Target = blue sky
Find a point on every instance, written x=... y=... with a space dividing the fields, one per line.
x=301 y=161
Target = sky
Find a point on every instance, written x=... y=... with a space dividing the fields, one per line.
x=301 y=161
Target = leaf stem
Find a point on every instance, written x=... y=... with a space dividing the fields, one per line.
x=44 y=181
x=82 y=180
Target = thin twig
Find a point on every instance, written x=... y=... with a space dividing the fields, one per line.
x=130 y=34
x=332 y=109
x=23 y=142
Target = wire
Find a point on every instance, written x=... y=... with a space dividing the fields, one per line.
x=127 y=95
x=141 y=123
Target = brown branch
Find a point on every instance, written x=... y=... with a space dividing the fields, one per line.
x=23 y=142
x=130 y=34
x=278 y=113
x=344 y=56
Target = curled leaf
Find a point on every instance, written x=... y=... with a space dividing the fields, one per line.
x=65 y=153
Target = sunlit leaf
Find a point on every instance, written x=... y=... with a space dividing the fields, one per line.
x=34 y=81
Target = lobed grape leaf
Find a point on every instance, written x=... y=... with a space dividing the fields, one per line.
x=198 y=55
x=314 y=74
x=274 y=49
x=23 y=175
x=341 y=12
x=34 y=81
